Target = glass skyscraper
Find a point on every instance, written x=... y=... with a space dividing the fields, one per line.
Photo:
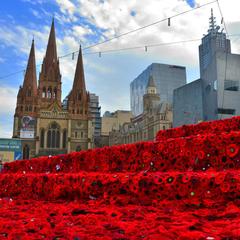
x=166 y=77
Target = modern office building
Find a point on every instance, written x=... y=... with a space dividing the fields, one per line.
x=166 y=77
x=95 y=111
x=214 y=41
x=216 y=95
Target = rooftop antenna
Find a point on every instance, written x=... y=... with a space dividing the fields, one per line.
x=213 y=27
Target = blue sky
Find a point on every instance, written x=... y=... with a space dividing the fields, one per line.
x=88 y=22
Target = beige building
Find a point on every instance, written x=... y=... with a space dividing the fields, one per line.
x=41 y=121
x=144 y=127
x=113 y=121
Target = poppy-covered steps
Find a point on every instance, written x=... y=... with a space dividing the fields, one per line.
x=131 y=188
x=197 y=153
x=216 y=127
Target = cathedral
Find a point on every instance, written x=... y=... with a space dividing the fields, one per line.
x=41 y=121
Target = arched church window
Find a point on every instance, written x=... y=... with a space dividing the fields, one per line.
x=79 y=96
x=53 y=136
x=64 y=142
x=55 y=93
x=44 y=92
x=26 y=151
x=49 y=92
x=42 y=134
x=30 y=108
x=29 y=93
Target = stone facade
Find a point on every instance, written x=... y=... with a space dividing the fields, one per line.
x=144 y=127
x=41 y=121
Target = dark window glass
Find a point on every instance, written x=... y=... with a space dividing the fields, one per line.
x=226 y=111
x=231 y=85
x=64 y=138
x=53 y=136
x=58 y=139
x=49 y=138
x=42 y=139
x=26 y=151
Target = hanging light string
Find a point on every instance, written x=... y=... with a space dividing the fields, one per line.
x=124 y=34
x=144 y=47
x=223 y=20
x=143 y=27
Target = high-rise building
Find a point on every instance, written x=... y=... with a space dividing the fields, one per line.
x=95 y=111
x=41 y=121
x=167 y=78
x=216 y=94
x=214 y=41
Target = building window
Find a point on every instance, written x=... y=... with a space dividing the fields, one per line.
x=81 y=134
x=226 y=111
x=26 y=108
x=215 y=85
x=55 y=93
x=53 y=136
x=49 y=92
x=76 y=134
x=44 y=92
x=42 y=138
x=78 y=148
x=29 y=93
x=231 y=85
x=64 y=138
x=30 y=108
x=26 y=151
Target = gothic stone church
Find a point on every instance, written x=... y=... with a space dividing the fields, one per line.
x=41 y=121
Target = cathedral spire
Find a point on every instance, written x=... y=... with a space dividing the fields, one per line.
x=51 y=53
x=79 y=79
x=30 y=78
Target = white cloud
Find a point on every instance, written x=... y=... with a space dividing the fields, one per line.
x=80 y=31
x=110 y=75
x=66 y=6
x=7 y=99
x=2 y=60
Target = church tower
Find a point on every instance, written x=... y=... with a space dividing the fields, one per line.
x=78 y=109
x=26 y=107
x=151 y=99
x=49 y=89
x=41 y=121
x=78 y=99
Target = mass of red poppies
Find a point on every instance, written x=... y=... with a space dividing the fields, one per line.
x=184 y=185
